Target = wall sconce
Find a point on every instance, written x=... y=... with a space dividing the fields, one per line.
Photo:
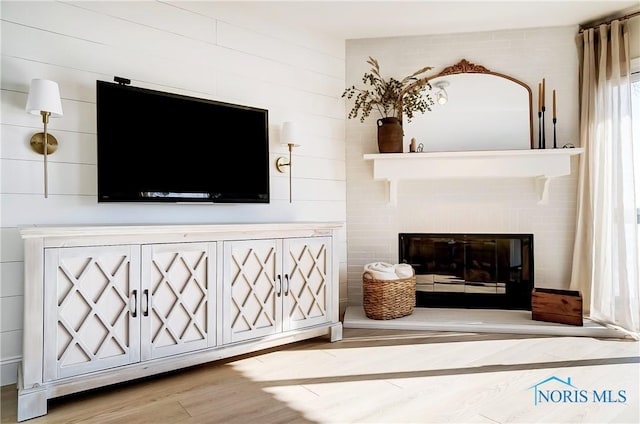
x=44 y=100
x=441 y=96
x=289 y=137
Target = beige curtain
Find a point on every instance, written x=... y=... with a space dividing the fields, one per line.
x=605 y=264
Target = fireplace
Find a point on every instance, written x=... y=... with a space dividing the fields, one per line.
x=484 y=271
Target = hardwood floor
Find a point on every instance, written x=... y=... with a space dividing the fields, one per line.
x=381 y=376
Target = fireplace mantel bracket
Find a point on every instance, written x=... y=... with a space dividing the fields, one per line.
x=541 y=164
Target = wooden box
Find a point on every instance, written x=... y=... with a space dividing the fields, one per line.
x=552 y=305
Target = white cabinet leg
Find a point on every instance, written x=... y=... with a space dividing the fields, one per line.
x=32 y=403
x=336 y=332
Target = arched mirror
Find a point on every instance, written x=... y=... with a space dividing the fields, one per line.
x=475 y=109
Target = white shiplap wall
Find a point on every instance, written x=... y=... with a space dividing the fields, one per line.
x=202 y=49
x=466 y=206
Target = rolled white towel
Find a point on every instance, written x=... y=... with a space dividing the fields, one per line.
x=403 y=270
x=385 y=271
x=381 y=271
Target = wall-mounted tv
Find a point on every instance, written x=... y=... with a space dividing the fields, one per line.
x=155 y=146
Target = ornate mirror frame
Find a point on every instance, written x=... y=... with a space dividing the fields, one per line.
x=466 y=67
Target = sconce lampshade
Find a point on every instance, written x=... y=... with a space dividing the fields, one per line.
x=44 y=96
x=290 y=134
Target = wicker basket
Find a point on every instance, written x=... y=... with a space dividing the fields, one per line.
x=388 y=299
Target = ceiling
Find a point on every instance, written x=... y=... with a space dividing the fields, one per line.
x=372 y=19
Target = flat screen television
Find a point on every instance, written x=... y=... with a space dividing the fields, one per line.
x=155 y=146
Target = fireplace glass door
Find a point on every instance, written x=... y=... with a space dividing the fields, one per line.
x=470 y=270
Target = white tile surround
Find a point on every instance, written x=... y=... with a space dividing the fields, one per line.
x=491 y=205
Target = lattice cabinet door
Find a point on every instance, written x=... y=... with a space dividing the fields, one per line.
x=178 y=298
x=252 y=289
x=91 y=310
x=307 y=270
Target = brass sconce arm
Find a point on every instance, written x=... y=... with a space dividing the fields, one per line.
x=282 y=162
x=281 y=165
x=289 y=137
x=38 y=139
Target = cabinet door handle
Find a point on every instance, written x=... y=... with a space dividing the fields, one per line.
x=278 y=285
x=286 y=280
x=145 y=312
x=133 y=303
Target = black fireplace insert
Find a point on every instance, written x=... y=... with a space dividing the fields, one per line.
x=483 y=271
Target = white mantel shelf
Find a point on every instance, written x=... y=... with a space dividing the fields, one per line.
x=541 y=164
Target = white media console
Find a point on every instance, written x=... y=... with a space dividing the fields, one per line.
x=107 y=304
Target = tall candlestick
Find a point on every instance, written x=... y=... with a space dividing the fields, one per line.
x=554 y=104
x=539 y=97
x=542 y=113
x=539 y=115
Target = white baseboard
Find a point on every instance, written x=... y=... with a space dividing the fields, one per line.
x=9 y=370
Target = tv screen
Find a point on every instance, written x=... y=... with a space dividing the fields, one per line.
x=161 y=147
